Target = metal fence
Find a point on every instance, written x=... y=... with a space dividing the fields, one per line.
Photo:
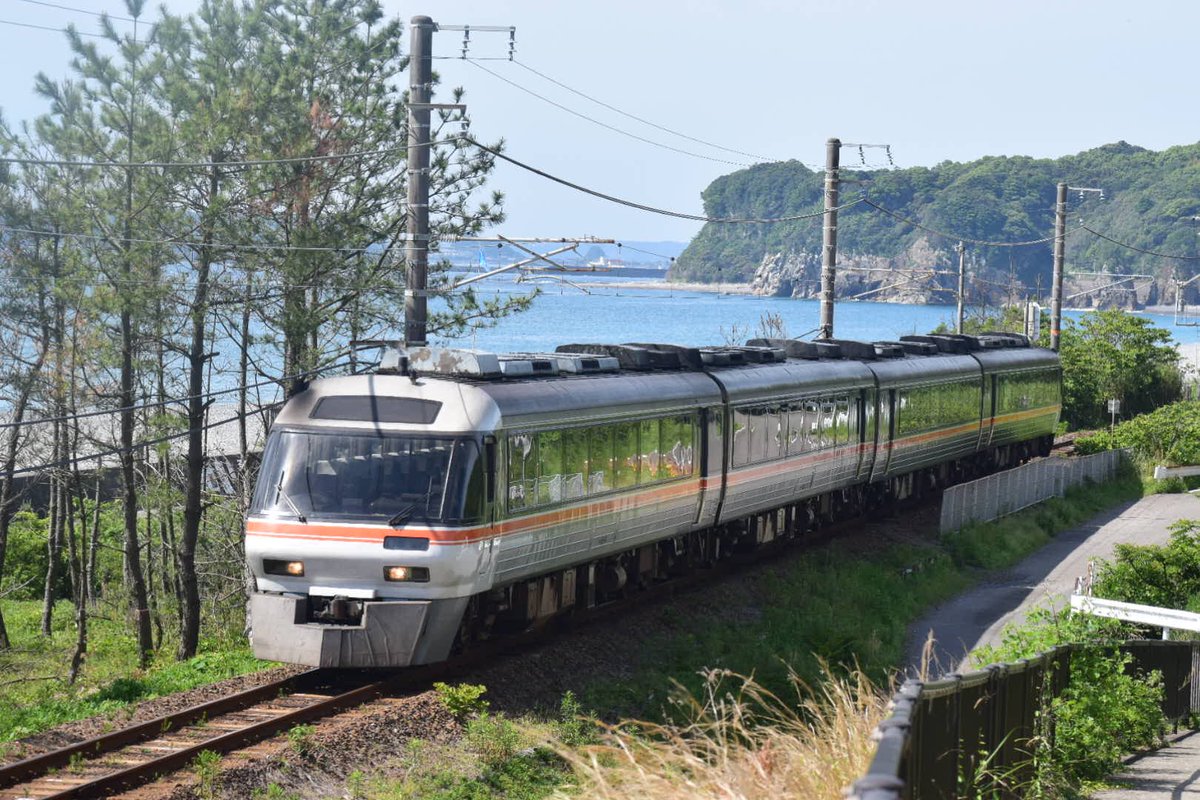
x=941 y=734
x=992 y=497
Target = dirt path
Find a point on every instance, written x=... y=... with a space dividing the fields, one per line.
x=979 y=616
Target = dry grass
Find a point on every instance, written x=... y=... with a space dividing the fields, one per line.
x=740 y=741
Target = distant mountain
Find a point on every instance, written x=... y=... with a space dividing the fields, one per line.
x=1149 y=201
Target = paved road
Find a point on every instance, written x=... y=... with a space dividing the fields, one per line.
x=978 y=616
x=1172 y=772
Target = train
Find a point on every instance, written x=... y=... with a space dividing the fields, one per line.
x=451 y=496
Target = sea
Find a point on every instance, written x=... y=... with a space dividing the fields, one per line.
x=650 y=310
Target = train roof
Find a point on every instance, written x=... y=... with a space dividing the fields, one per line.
x=460 y=390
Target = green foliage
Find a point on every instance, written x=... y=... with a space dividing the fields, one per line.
x=112 y=680
x=463 y=700
x=207 y=766
x=574 y=727
x=528 y=776
x=494 y=738
x=1169 y=435
x=993 y=198
x=1105 y=712
x=1111 y=354
x=1167 y=576
x=24 y=573
x=1003 y=542
x=275 y=792
x=300 y=739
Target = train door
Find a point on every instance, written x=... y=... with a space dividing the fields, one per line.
x=493 y=478
x=868 y=432
x=711 y=464
x=886 y=423
x=989 y=411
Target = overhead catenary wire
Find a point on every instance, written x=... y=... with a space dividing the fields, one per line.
x=60 y=7
x=103 y=454
x=652 y=209
x=643 y=120
x=954 y=236
x=167 y=401
x=247 y=162
x=603 y=124
x=1135 y=248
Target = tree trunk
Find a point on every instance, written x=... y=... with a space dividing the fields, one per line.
x=189 y=613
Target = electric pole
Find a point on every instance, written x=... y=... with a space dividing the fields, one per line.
x=962 y=276
x=1060 y=247
x=416 y=253
x=833 y=148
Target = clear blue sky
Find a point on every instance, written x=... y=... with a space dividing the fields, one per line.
x=936 y=80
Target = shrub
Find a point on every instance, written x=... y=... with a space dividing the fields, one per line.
x=463 y=700
x=493 y=738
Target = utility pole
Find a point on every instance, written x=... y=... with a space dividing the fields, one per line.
x=833 y=149
x=962 y=280
x=1060 y=248
x=416 y=254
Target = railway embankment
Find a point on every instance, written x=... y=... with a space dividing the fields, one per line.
x=851 y=597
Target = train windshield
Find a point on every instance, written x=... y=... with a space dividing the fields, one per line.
x=396 y=479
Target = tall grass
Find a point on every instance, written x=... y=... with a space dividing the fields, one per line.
x=741 y=741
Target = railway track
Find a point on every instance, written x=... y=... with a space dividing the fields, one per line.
x=130 y=757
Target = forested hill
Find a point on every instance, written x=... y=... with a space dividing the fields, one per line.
x=1148 y=200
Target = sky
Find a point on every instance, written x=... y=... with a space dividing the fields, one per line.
x=765 y=79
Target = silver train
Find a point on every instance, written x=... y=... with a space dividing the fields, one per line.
x=452 y=495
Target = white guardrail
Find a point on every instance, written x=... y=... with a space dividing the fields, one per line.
x=1169 y=619
x=995 y=496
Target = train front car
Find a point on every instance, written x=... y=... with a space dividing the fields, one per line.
x=368 y=530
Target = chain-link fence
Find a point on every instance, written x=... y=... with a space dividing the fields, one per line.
x=996 y=495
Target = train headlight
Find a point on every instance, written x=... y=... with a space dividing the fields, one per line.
x=408 y=574
x=275 y=566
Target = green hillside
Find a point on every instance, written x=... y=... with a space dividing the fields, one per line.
x=1149 y=198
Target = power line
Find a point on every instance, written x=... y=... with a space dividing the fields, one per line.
x=164 y=402
x=642 y=207
x=68 y=462
x=193 y=244
x=595 y=121
x=954 y=236
x=1137 y=249
x=78 y=10
x=252 y=162
x=641 y=119
x=48 y=28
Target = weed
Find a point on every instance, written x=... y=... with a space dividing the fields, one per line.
x=574 y=728
x=493 y=738
x=274 y=792
x=463 y=700
x=75 y=764
x=207 y=766
x=300 y=739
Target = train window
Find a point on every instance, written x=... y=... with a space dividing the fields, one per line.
x=774 y=427
x=678 y=437
x=373 y=408
x=626 y=455
x=842 y=421
x=649 y=451
x=600 y=454
x=522 y=470
x=795 y=422
x=369 y=477
x=575 y=463
x=742 y=432
x=550 y=473
x=812 y=425
x=828 y=428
